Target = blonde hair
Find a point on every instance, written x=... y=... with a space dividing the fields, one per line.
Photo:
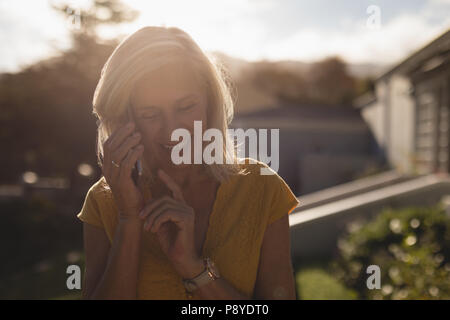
x=145 y=51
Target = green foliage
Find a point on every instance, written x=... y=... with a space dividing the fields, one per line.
x=47 y=112
x=35 y=237
x=47 y=126
x=318 y=284
x=100 y=12
x=364 y=85
x=326 y=82
x=47 y=106
x=412 y=248
x=45 y=280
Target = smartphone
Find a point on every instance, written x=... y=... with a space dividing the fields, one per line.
x=137 y=169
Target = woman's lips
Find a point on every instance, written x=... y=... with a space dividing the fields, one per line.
x=167 y=146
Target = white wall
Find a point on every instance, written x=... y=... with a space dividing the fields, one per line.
x=394 y=131
x=402 y=122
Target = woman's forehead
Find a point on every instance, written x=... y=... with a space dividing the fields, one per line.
x=176 y=73
x=168 y=85
x=176 y=101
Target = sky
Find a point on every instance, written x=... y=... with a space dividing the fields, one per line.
x=360 y=31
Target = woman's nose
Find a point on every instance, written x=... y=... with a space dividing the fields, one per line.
x=170 y=124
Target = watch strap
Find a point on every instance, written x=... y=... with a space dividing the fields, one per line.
x=203 y=278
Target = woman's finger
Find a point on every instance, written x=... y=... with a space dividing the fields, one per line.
x=121 y=135
x=157 y=212
x=154 y=204
x=131 y=158
x=172 y=185
x=111 y=137
x=121 y=152
x=108 y=149
x=158 y=207
x=176 y=216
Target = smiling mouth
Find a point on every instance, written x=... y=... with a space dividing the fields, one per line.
x=167 y=146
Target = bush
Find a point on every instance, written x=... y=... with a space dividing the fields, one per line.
x=412 y=248
x=33 y=230
x=37 y=242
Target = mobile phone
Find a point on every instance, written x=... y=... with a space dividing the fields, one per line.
x=137 y=169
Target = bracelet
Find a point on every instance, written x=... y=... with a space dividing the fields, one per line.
x=210 y=273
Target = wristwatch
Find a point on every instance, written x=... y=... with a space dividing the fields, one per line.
x=210 y=273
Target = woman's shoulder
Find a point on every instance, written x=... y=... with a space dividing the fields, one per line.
x=253 y=167
x=255 y=174
x=96 y=209
x=276 y=191
x=260 y=174
x=258 y=170
x=100 y=190
x=260 y=183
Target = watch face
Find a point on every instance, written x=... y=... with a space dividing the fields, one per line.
x=212 y=267
x=190 y=285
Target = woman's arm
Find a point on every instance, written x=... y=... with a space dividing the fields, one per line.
x=112 y=271
x=218 y=289
x=275 y=280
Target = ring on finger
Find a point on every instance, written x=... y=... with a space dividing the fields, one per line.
x=117 y=165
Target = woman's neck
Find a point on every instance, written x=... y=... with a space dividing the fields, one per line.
x=188 y=175
x=184 y=176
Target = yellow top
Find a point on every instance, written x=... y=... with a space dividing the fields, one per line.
x=244 y=206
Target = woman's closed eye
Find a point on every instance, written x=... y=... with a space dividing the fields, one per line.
x=150 y=116
x=188 y=107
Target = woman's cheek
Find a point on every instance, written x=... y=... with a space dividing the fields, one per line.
x=152 y=156
x=149 y=145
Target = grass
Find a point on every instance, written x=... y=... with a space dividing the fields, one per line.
x=315 y=283
x=43 y=283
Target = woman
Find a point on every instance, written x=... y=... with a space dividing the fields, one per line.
x=188 y=231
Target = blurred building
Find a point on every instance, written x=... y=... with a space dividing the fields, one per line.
x=320 y=146
x=409 y=111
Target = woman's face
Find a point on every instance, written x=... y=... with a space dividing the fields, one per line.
x=168 y=99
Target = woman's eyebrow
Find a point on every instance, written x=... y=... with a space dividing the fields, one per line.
x=149 y=108
x=191 y=95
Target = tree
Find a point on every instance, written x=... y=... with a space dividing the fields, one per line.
x=330 y=82
x=47 y=124
x=325 y=82
x=287 y=86
x=101 y=12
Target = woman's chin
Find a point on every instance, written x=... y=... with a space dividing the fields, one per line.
x=165 y=163
x=181 y=166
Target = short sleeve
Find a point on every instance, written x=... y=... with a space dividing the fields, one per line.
x=90 y=212
x=282 y=199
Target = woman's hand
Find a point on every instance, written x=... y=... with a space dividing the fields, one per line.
x=173 y=222
x=124 y=149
